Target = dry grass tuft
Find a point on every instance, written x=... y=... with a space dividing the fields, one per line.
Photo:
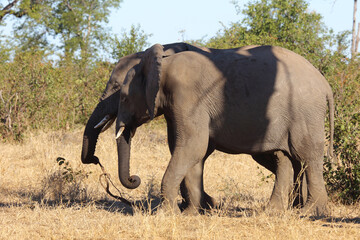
x=41 y=199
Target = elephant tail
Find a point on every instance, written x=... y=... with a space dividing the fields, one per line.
x=330 y=100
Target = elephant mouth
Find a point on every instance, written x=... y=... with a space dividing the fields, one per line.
x=105 y=123
x=122 y=130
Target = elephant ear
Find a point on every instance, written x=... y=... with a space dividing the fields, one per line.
x=152 y=71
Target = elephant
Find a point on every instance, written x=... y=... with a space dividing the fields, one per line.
x=265 y=101
x=106 y=111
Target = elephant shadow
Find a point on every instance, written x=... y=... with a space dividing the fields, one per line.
x=149 y=204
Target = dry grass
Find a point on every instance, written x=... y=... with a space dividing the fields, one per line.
x=34 y=203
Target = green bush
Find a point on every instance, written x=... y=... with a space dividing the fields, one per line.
x=35 y=93
x=343 y=178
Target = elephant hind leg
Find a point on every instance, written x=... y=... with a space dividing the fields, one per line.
x=311 y=156
x=280 y=164
x=283 y=181
x=316 y=203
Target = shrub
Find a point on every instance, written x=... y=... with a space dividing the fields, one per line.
x=37 y=94
x=343 y=179
x=65 y=184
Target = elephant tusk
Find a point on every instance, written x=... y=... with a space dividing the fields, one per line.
x=120 y=131
x=108 y=124
x=103 y=121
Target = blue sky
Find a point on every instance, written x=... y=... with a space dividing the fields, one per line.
x=172 y=21
x=166 y=19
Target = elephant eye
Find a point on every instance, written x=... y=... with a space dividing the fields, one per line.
x=124 y=99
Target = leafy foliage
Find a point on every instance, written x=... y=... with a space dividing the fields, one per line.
x=343 y=180
x=136 y=41
x=77 y=25
x=4 y=51
x=68 y=173
x=36 y=94
x=288 y=24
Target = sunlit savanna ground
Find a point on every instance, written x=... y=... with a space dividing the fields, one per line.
x=30 y=206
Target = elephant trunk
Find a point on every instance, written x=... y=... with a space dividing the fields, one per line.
x=123 y=146
x=90 y=137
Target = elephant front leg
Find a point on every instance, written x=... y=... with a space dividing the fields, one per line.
x=186 y=166
x=192 y=190
x=195 y=199
x=280 y=165
x=192 y=186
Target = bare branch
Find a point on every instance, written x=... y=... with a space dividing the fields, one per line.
x=10 y=5
x=353 y=43
x=69 y=6
x=1 y=97
x=357 y=40
x=7 y=10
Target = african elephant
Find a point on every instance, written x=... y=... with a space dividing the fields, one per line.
x=261 y=100
x=106 y=111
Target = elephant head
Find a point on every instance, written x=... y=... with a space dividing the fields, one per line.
x=106 y=110
x=139 y=98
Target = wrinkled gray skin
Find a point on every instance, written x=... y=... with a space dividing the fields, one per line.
x=265 y=101
x=108 y=109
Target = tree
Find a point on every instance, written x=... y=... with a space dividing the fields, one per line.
x=289 y=24
x=11 y=9
x=130 y=43
x=78 y=25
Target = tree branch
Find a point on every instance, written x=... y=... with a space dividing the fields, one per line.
x=10 y=5
x=353 y=42
x=68 y=6
x=7 y=10
x=357 y=39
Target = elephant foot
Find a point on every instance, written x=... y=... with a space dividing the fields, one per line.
x=314 y=210
x=278 y=201
x=167 y=211
x=190 y=211
x=275 y=206
x=209 y=202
